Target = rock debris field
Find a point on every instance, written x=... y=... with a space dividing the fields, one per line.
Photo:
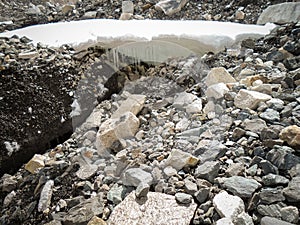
x=203 y=139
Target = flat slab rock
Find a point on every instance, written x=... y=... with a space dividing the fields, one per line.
x=158 y=209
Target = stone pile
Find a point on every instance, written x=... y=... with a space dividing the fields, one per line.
x=17 y=14
x=211 y=140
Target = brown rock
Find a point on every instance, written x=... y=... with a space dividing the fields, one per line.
x=291 y=135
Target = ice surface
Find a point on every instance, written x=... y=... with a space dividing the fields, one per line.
x=165 y=35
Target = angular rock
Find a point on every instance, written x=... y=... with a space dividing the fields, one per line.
x=249 y=99
x=8 y=198
x=28 y=55
x=291 y=135
x=194 y=107
x=45 y=197
x=208 y=170
x=190 y=187
x=187 y=102
x=270 y=115
x=219 y=75
x=179 y=159
x=243 y=219
x=273 y=179
x=271 y=195
x=136 y=176
x=295 y=171
x=281 y=13
x=183 y=198
x=82 y=213
x=170 y=7
x=254 y=125
x=113 y=130
x=36 y=163
x=127 y=7
x=290 y=214
x=212 y=150
x=86 y=171
x=158 y=209
x=202 y=195
x=133 y=104
x=228 y=205
x=8 y=183
x=115 y=194
x=292 y=191
x=216 y=91
x=272 y=210
x=142 y=190
x=96 y=221
x=240 y=186
x=282 y=157
x=267 y=220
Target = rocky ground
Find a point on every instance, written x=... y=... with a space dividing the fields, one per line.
x=191 y=135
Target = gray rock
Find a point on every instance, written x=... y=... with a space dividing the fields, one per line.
x=90 y=15
x=268 y=167
x=270 y=115
x=170 y=7
x=179 y=159
x=202 y=195
x=135 y=176
x=254 y=125
x=280 y=13
x=240 y=186
x=8 y=198
x=159 y=209
x=86 y=171
x=271 y=195
x=8 y=183
x=142 y=190
x=208 y=170
x=46 y=195
x=243 y=219
x=228 y=205
x=290 y=214
x=292 y=192
x=190 y=187
x=133 y=104
x=82 y=213
x=272 y=210
x=282 y=157
x=250 y=99
x=273 y=179
x=183 y=198
x=295 y=171
x=127 y=7
x=218 y=75
x=115 y=194
x=212 y=150
x=273 y=221
x=216 y=91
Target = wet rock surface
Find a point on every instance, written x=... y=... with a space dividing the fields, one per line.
x=214 y=138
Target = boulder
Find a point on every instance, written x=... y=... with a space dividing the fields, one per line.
x=113 y=130
x=157 y=209
x=36 y=163
x=240 y=186
x=179 y=159
x=228 y=205
x=291 y=135
x=281 y=13
x=250 y=99
x=219 y=75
